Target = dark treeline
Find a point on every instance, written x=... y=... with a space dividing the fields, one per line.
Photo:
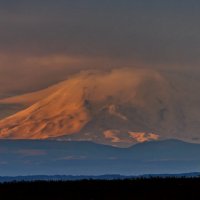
x=135 y=189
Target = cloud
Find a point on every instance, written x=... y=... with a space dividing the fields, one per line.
x=25 y=73
x=73 y=157
x=156 y=32
x=43 y=42
x=31 y=152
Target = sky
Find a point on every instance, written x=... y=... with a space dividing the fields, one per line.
x=43 y=42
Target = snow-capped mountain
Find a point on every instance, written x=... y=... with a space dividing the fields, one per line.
x=119 y=107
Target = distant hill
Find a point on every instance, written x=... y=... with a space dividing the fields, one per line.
x=49 y=157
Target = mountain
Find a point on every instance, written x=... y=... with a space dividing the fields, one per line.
x=119 y=107
x=49 y=157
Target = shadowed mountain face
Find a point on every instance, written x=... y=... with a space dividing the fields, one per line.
x=120 y=107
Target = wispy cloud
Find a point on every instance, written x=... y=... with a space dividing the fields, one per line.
x=31 y=152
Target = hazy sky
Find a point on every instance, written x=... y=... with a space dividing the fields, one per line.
x=42 y=41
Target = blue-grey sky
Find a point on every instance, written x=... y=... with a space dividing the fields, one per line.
x=45 y=38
